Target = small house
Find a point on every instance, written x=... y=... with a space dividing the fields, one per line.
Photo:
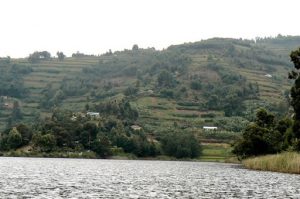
x=8 y=105
x=268 y=75
x=73 y=118
x=150 y=91
x=93 y=114
x=136 y=127
x=210 y=128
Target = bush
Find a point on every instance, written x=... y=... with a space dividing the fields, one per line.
x=265 y=136
x=181 y=145
x=101 y=146
x=196 y=85
x=167 y=93
x=14 y=139
x=46 y=143
x=130 y=91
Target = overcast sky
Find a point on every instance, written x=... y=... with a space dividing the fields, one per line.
x=94 y=26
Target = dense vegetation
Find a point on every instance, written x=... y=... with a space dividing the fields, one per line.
x=265 y=136
x=11 y=78
x=110 y=134
x=175 y=92
x=268 y=134
x=295 y=94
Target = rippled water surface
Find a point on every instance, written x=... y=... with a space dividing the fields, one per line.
x=78 y=178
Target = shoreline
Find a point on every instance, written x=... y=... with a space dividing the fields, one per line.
x=286 y=162
x=92 y=155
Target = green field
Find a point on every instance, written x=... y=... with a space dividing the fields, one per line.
x=216 y=152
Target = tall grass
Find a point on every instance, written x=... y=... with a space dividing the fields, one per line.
x=287 y=162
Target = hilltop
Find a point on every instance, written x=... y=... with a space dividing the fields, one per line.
x=214 y=82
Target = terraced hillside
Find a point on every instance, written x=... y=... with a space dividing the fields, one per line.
x=218 y=82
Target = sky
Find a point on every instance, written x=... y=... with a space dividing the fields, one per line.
x=95 y=26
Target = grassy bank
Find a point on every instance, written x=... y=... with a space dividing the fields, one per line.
x=217 y=152
x=287 y=162
x=211 y=152
x=84 y=154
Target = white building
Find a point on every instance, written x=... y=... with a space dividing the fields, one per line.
x=136 y=127
x=93 y=114
x=210 y=127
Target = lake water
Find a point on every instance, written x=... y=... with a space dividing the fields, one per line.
x=80 y=178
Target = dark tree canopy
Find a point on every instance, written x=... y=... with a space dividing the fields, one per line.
x=295 y=92
x=264 y=136
x=37 y=56
x=135 y=47
x=166 y=79
x=181 y=145
x=295 y=58
x=61 y=56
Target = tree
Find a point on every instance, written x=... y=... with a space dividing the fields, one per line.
x=101 y=146
x=135 y=47
x=233 y=105
x=127 y=112
x=166 y=79
x=196 y=85
x=130 y=91
x=181 y=145
x=14 y=139
x=45 y=55
x=25 y=132
x=33 y=58
x=87 y=107
x=261 y=137
x=3 y=143
x=264 y=119
x=167 y=93
x=85 y=139
x=78 y=54
x=37 y=56
x=16 y=112
x=295 y=93
x=45 y=143
x=253 y=142
x=92 y=129
x=60 y=56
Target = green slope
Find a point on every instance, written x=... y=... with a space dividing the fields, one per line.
x=77 y=81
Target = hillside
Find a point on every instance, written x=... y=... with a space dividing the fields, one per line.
x=211 y=82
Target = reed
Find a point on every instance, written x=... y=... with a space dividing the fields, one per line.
x=286 y=162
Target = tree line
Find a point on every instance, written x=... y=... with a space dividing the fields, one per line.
x=68 y=131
